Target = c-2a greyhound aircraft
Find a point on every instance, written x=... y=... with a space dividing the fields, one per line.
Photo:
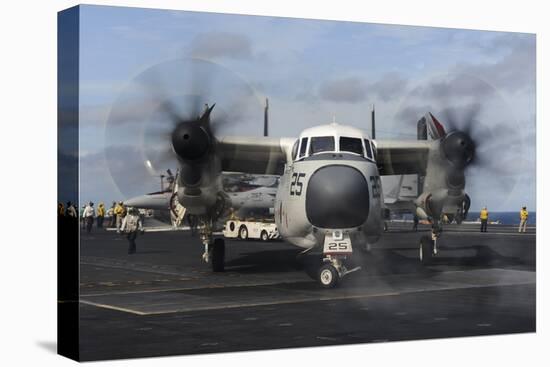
x=330 y=195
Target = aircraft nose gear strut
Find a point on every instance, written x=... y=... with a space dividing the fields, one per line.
x=206 y=254
x=214 y=249
x=428 y=246
x=205 y=233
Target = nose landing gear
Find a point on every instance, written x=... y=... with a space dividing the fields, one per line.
x=332 y=270
x=427 y=249
x=328 y=276
x=214 y=249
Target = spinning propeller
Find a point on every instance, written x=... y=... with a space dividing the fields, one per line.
x=480 y=139
x=165 y=118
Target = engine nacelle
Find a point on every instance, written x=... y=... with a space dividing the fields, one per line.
x=441 y=201
x=444 y=183
x=199 y=180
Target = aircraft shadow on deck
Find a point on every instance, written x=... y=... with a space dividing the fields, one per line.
x=379 y=261
x=265 y=262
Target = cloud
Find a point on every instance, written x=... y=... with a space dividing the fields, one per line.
x=447 y=87
x=355 y=89
x=503 y=43
x=349 y=90
x=514 y=71
x=412 y=113
x=389 y=86
x=132 y=111
x=221 y=44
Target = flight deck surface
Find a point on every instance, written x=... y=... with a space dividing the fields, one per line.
x=165 y=301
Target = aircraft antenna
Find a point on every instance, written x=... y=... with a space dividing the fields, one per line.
x=373 y=123
x=162 y=182
x=266 y=118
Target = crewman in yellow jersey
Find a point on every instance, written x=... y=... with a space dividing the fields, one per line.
x=484 y=217
x=523 y=215
x=100 y=215
x=120 y=212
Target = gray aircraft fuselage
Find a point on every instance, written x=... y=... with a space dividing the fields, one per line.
x=336 y=190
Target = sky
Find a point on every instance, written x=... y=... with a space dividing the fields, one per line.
x=312 y=71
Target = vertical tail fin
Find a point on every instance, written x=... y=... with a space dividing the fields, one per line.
x=434 y=127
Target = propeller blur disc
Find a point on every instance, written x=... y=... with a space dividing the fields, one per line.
x=469 y=105
x=138 y=131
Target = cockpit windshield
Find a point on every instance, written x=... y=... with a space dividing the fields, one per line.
x=368 y=149
x=353 y=145
x=320 y=144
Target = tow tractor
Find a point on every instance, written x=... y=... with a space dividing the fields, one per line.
x=253 y=229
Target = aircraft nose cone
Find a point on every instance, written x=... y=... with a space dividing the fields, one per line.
x=337 y=197
x=151 y=201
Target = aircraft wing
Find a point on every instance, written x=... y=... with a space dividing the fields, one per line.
x=402 y=157
x=256 y=155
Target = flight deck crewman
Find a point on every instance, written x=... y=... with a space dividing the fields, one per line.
x=71 y=210
x=523 y=215
x=111 y=214
x=81 y=216
x=100 y=215
x=484 y=217
x=415 y=222
x=130 y=226
x=120 y=212
x=88 y=215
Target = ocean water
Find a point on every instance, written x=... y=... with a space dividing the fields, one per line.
x=504 y=217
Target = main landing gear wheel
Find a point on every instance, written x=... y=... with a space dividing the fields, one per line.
x=312 y=270
x=426 y=250
x=311 y=265
x=218 y=255
x=243 y=233
x=328 y=276
x=264 y=236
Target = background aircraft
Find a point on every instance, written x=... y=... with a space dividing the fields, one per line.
x=246 y=194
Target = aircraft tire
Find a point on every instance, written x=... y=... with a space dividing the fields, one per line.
x=328 y=276
x=218 y=255
x=311 y=264
x=243 y=232
x=264 y=236
x=426 y=250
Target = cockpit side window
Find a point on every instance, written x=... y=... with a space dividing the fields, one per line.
x=320 y=144
x=352 y=145
x=295 y=149
x=368 y=149
x=303 y=147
